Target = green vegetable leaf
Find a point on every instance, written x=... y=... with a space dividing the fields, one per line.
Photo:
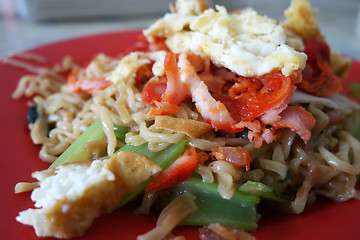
x=120 y=132
x=263 y=191
x=32 y=114
x=357 y=133
x=355 y=88
x=239 y=211
x=76 y=151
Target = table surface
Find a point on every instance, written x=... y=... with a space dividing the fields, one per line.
x=339 y=21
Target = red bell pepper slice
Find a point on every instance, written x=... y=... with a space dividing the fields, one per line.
x=180 y=170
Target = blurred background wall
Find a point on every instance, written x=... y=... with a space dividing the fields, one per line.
x=50 y=10
x=28 y=23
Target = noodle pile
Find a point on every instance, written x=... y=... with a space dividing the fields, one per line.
x=325 y=165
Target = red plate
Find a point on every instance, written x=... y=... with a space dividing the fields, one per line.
x=323 y=220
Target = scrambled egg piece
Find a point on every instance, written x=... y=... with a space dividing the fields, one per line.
x=128 y=65
x=71 y=195
x=301 y=18
x=243 y=41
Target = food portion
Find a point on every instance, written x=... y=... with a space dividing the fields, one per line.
x=70 y=196
x=211 y=113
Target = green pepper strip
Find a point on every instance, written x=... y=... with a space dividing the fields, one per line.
x=120 y=132
x=164 y=158
x=357 y=133
x=76 y=152
x=263 y=191
x=354 y=88
x=239 y=211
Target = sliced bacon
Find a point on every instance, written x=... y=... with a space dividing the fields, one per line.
x=201 y=65
x=87 y=85
x=251 y=103
x=254 y=126
x=183 y=82
x=144 y=74
x=297 y=119
x=153 y=91
x=176 y=91
x=252 y=97
x=336 y=118
x=270 y=135
x=214 y=83
x=214 y=112
x=168 y=92
x=237 y=156
x=318 y=77
x=162 y=109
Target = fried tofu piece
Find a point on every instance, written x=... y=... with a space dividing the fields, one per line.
x=190 y=127
x=71 y=195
